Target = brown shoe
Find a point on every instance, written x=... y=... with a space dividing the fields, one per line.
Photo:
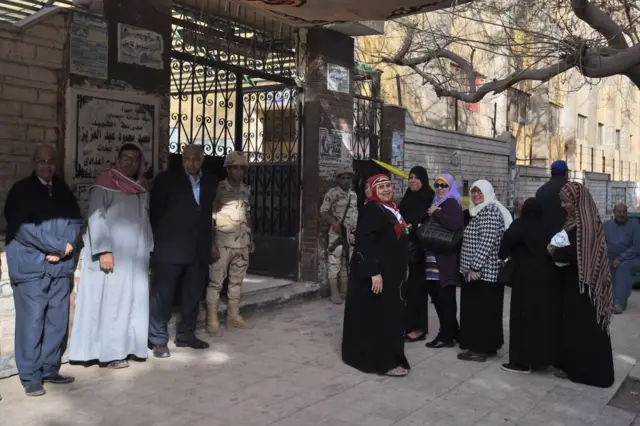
x=335 y=292
x=342 y=286
x=234 y=319
x=212 y=324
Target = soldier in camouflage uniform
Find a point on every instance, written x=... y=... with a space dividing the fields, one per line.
x=232 y=244
x=340 y=210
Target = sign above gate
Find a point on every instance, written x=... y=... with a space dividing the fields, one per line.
x=323 y=12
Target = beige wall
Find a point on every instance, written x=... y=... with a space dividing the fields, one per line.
x=30 y=67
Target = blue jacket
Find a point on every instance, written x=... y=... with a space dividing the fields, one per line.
x=39 y=224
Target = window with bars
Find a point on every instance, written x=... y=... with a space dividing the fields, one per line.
x=518 y=103
x=600 y=135
x=554 y=119
x=581 y=127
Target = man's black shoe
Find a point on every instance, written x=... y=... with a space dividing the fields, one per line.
x=161 y=351
x=58 y=379
x=33 y=389
x=193 y=343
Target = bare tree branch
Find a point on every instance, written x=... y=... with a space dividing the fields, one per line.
x=549 y=53
x=601 y=22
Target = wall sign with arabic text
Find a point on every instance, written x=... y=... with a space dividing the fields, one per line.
x=140 y=47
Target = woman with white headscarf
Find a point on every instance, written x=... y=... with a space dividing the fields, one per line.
x=482 y=297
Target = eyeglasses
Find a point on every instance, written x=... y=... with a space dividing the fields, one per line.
x=440 y=185
x=475 y=191
x=45 y=162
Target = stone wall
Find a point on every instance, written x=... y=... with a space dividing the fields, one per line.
x=599 y=184
x=529 y=179
x=31 y=59
x=627 y=193
x=605 y=192
x=468 y=158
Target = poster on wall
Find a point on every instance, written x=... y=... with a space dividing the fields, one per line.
x=88 y=46
x=334 y=152
x=337 y=78
x=140 y=47
x=103 y=126
x=397 y=145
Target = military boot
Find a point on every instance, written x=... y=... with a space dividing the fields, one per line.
x=233 y=316
x=335 y=293
x=342 y=286
x=213 y=325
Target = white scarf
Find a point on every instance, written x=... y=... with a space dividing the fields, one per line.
x=396 y=213
x=489 y=198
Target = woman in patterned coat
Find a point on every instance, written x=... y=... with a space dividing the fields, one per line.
x=482 y=297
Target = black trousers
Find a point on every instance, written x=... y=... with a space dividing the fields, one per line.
x=166 y=277
x=444 y=300
x=416 y=297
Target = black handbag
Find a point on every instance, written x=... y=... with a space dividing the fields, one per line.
x=436 y=238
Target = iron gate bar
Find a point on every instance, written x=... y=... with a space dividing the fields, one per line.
x=224 y=36
x=212 y=63
x=239 y=111
x=278 y=51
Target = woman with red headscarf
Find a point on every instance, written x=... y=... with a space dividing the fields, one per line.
x=112 y=311
x=373 y=335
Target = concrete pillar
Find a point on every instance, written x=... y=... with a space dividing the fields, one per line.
x=328 y=110
x=153 y=15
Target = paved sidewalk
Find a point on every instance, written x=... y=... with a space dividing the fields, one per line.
x=287 y=372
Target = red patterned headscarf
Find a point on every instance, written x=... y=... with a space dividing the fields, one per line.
x=112 y=179
x=591 y=247
x=374 y=182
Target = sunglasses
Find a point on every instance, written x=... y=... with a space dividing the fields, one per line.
x=440 y=185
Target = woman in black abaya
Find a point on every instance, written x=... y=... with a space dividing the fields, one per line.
x=413 y=207
x=533 y=328
x=587 y=298
x=373 y=334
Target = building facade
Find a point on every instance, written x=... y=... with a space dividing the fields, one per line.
x=593 y=124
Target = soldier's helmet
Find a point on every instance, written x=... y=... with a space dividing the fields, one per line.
x=236 y=158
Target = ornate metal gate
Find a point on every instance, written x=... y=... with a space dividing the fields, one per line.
x=367 y=127
x=233 y=88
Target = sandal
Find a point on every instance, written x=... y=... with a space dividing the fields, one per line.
x=118 y=365
x=397 y=372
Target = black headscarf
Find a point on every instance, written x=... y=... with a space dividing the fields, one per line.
x=414 y=205
x=533 y=225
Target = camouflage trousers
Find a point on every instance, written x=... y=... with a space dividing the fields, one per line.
x=233 y=262
x=336 y=260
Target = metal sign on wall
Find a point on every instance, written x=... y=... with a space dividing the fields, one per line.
x=318 y=12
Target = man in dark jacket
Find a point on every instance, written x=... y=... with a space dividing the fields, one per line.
x=43 y=226
x=549 y=197
x=181 y=217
